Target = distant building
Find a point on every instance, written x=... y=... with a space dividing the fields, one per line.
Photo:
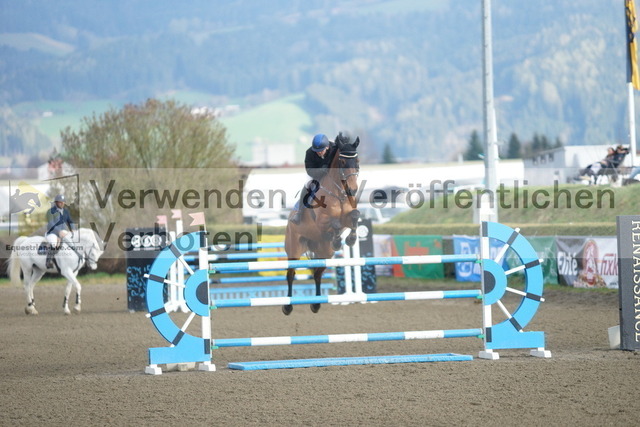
x=562 y=164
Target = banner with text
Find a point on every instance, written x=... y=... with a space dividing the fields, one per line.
x=588 y=262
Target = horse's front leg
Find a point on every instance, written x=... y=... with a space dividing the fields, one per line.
x=67 y=291
x=335 y=233
x=353 y=217
x=317 y=276
x=291 y=274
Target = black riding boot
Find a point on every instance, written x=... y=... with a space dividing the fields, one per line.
x=51 y=251
x=297 y=216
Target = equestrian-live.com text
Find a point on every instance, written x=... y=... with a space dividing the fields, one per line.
x=414 y=196
x=32 y=247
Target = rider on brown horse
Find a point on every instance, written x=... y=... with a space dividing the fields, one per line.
x=316 y=162
x=318 y=232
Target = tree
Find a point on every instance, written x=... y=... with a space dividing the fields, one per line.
x=155 y=134
x=475 y=148
x=514 y=147
x=148 y=160
x=536 y=144
x=387 y=155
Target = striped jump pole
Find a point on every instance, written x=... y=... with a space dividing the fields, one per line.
x=345 y=338
x=346 y=298
x=340 y=262
x=507 y=334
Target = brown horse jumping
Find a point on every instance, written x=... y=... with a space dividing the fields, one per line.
x=332 y=211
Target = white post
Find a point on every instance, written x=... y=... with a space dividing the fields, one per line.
x=346 y=253
x=203 y=264
x=173 y=291
x=180 y=302
x=357 y=270
x=485 y=253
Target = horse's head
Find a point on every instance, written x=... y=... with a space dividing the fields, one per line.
x=92 y=247
x=348 y=162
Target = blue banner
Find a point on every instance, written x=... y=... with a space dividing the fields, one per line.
x=470 y=271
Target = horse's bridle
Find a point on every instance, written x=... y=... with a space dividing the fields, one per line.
x=343 y=177
x=349 y=155
x=83 y=256
x=87 y=257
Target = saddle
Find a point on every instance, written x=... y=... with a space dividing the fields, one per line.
x=42 y=249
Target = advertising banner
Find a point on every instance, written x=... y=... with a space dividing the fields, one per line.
x=144 y=244
x=587 y=262
x=382 y=247
x=418 y=245
x=464 y=245
x=628 y=227
x=545 y=247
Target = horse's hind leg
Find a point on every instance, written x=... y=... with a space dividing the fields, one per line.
x=317 y=276
x=291 y=274
x=76 y=308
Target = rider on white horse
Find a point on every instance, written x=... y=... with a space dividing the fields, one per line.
x=59 y=225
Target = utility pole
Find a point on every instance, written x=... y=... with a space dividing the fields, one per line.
x=489 y=206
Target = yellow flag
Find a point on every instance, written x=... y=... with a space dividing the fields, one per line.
x=632 y=53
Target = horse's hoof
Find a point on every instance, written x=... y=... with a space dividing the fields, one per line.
x=315 y=307
x=287 y=309
x=336 y=244
x=351 y=239
x=67 y=311
x=77 y=309
x=30 y=310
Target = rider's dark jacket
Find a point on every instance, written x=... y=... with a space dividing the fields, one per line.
x=59 y=219
x=316 y=166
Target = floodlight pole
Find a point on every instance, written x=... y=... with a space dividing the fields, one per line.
x=490 y=130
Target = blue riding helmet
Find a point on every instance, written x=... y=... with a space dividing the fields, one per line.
x=59 y=198
x=319 y=143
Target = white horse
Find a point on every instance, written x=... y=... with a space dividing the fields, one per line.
x=84 y=247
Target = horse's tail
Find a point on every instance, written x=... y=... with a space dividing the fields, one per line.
x=14 y=263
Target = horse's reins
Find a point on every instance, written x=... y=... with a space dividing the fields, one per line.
x=82 y=258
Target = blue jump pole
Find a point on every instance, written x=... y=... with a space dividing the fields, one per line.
x=347 y=298
x=339 y=262
x=344 y=338
x=260 y=279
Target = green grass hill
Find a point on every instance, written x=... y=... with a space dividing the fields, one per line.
x=555 y=210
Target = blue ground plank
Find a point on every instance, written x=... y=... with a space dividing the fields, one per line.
x=344 y=361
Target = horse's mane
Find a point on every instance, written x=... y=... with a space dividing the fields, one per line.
x=89 y=232
x=333 y=155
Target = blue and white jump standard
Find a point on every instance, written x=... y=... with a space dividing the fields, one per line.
x=187 y=348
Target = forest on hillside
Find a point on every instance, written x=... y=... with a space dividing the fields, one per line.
x=406 y=73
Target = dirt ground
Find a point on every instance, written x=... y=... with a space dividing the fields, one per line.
x=87 y=369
